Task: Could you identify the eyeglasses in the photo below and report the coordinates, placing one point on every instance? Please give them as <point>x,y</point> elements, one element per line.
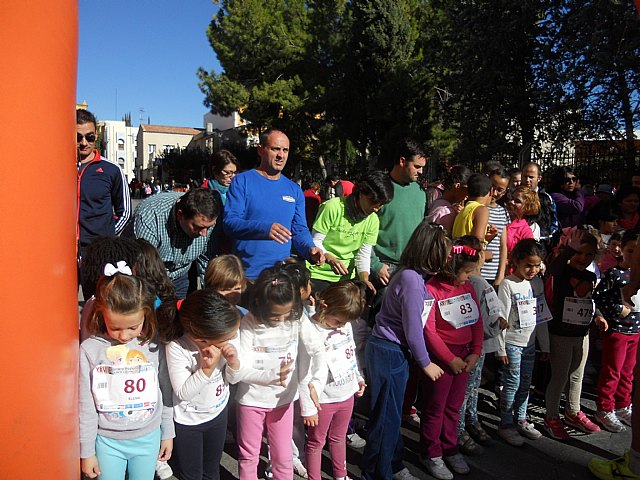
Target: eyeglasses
<point>570,179</point>
<point>90,137</point>
<point>228,173</point>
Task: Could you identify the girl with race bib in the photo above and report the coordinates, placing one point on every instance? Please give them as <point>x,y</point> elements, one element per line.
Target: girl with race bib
<point>126,420</point>
<point>569,288</point>
<point>269,340</point>
<point>337,306</point>
<point>525,307</point>
<point>453,334</point>
<point>201,351</point>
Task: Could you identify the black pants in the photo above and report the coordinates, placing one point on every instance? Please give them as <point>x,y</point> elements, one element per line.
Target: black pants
<point>198,448</point>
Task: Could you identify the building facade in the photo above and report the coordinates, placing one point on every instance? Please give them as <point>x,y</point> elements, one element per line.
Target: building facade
<point>119,145</point>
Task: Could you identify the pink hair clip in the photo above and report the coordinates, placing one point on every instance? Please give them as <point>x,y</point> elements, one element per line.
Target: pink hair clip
<point>458,249</point>
<point>179,304</point>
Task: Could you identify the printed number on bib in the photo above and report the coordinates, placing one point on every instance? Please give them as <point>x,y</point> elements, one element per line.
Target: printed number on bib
<point>125,388</point>
<point>428,305</point>
<point>578,311</point>
<point>459,311</point>
<point>221,396</point>
<point>341,357</point>
<point>493,304</point>
<point>273,356</point>
<point>527,312</point>
<point>544,314</point>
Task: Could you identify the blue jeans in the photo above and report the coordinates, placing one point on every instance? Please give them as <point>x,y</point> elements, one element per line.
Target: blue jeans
<point>516,381</point>
<point>387,374</point>
<point>469,409</point>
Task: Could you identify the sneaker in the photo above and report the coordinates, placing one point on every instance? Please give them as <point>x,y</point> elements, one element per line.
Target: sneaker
<point>163,470</point>
<point>478,433</point>
<point>412,419</point>
<point>624,414</point>
<point>510,435</point>
<point>581,422</point>
<point>526,429</point>
<point>355,441</point>
<point>458,464</point>
<point>612,469</point>
<point>299,469</point>
<point>436,468</point>
<point>609,421</point>
<point>555,428</point>
<point>404,474</point>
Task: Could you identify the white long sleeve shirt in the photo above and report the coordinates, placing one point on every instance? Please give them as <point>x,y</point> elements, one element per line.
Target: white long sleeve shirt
<point>262,350</point>
<point>341,377</point>
<point>197,398</point>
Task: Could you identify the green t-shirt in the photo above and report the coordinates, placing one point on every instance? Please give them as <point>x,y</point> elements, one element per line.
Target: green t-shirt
<point>343,237</point>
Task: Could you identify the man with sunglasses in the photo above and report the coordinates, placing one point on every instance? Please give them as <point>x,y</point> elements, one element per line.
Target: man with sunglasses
<point>104,203</point>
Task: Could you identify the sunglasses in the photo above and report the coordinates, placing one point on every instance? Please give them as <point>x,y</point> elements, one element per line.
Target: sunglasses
<point>228,173</point>
<point>90,137</point>
<point>570,179</point>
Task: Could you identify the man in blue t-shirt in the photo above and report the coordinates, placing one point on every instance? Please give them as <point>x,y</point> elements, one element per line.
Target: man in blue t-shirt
<point>264,213</point>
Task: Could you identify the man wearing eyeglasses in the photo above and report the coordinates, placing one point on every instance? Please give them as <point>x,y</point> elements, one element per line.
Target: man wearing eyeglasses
<point>104,203</point>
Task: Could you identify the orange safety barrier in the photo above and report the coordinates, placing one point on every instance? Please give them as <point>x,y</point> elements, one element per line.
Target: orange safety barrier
<point>38,289</point>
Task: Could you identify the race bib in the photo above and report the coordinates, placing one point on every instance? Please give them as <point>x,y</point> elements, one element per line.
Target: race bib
<point>635,301</point>
<point>273,356</point>
<point>426,310</point>
<point>216,383</point>
<point>578,311</point>
<point>341,358</point>
<point>460,311</point>
<point>121,389</point>
<point>491,299</point>
<point>543,312</point>
<point>527,312</point>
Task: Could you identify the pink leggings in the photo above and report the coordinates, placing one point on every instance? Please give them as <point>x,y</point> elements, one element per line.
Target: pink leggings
<point>333,421</point>
<point>279,422</point>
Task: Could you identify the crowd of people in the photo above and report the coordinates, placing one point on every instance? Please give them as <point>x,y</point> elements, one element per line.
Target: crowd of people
<point>233,309</point>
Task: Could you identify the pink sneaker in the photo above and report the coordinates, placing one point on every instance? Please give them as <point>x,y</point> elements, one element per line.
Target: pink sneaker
<point>555,428</point>
<point>580,422</point>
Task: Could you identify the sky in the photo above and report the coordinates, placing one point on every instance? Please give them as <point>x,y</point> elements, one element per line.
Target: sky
<point>144,54</point>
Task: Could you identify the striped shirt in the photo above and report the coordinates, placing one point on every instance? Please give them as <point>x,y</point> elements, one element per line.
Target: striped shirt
<point>156,221</point>
<point>499,217</point>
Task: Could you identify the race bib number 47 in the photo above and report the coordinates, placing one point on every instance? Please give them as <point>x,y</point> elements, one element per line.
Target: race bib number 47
<point>578,311</point>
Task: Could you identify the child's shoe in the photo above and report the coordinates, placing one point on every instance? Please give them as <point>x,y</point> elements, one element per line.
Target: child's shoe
<point>581,422</point>
<point>624,414</point>
<point>404,474</point>
<point>436,468</point>
<point>609,421</point>
<point>355,441</point>
<point>299,469</point>
<point>555,428</point>
<point>526,429</point>
<point>478,433</point>
<point>412,418</point>
<point>458,464</point>
<point>612,469</point>
<point>509,434</point>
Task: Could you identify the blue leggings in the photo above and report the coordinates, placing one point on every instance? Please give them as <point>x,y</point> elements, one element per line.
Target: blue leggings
<point>138,456</point>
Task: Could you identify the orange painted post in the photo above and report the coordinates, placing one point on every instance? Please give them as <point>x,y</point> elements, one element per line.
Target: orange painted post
<point>38,293</point>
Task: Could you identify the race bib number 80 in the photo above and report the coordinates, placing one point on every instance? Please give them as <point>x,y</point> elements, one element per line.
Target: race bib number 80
<point>125,388</point>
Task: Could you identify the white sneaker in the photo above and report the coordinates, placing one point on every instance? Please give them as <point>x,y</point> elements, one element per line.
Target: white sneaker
<point>436,468</point>
<point>163,470</point>
<point>609,421</point>
<point>299,469</point>
<point>412,419</point>
<point>355,441</point>
<point>624,414</point>
<point>526,429</point>
<point>404,474</point>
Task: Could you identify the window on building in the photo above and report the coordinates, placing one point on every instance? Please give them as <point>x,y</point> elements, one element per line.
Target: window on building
<point>120,144</point>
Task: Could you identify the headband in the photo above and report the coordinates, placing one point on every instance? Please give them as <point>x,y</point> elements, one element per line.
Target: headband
<point>121,267</point>
<point>458,249</point>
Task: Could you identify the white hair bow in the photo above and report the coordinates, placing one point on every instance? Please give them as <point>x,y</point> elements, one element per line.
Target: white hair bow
<point>121,267</point>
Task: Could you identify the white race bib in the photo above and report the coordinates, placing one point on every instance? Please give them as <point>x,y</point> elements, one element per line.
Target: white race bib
<point>121,389</point>
<point>273,356</point>
<point>341,357</point>
<point>426,310</point>
<point>635,301</point>
<point>527,312</point>
<point>216,382</point>
<point>460,311</point>
<point>578,311</point>
<point>544,314</point>
<point>492,301</point>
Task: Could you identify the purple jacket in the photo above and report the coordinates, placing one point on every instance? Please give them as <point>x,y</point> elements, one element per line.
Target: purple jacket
<point>570,208</point>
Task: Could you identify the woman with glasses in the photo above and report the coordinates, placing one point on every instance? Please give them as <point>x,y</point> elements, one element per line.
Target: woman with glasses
<point>568,196</point>
<point>224,167</point>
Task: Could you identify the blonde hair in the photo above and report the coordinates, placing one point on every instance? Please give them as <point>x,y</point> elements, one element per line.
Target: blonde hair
<point>124,294</point>
<point>224,272</point>
<point>345,299</point>
<point>531,200</point>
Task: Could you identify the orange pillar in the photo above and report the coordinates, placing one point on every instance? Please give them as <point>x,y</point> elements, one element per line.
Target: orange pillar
<point>38,292</point>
